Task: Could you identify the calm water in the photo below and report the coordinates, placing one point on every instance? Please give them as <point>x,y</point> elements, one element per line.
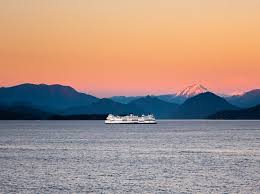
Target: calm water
<point>170,157</point>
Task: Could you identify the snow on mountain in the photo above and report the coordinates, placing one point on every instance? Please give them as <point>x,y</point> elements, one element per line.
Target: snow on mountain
<point>192,90</point>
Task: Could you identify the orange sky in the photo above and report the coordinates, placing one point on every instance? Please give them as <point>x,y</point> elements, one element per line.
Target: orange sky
<point>131,47</point>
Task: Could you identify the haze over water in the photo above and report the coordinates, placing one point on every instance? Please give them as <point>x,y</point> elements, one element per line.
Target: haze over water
<point>170,157</point>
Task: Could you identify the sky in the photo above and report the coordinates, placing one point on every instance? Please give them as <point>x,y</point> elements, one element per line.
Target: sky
<point>131,47</point>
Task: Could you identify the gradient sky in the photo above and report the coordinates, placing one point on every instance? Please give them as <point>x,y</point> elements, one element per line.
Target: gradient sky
<point>131,47</point>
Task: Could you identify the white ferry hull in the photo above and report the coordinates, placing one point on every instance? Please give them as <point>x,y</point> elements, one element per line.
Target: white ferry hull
<point>130,122</point>
<point>130,119</point>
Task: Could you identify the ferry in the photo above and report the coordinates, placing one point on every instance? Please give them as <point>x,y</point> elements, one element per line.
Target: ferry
<point>130,119</point>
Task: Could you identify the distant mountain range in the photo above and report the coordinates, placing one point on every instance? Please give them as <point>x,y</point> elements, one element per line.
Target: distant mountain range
<point>178,98</point>
<point>125,99</point>
<point>245,100</point>
<point>142,105</point>
<point>102,106</point>
<point>45,97</point>
<point>151,104</point>
<point>30,101</point>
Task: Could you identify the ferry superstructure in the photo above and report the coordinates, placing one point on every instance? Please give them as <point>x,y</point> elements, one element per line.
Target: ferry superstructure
<point>130,119</point>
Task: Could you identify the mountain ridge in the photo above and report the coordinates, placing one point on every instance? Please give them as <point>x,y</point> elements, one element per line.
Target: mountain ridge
<point>201,106</point>
<point>247,99</point>
<point>57,99</point>
<point>155,106</point>
<point>45,96</point>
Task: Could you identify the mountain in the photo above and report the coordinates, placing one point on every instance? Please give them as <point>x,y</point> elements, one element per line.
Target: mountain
<point>178,98</point>
<point>142,105</point>
<point>192,90</point>
<point>201,106</point>
<point>30,101</point>
<point>153,105</point>
<point>103,106</point>
<point>246,100</point>
<point>46,97</point>
<point>184,94</point>
<point>249,113</point>
<point>127,99</point>
<point>124,99</point>
<point>168,98</point>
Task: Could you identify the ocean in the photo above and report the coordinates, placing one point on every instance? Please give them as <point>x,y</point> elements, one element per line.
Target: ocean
<point>174,156</point>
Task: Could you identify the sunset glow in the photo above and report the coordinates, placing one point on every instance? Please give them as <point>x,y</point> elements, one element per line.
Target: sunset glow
<point>131,47</point>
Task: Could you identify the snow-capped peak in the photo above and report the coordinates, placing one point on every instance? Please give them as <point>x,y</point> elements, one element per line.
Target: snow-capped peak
<point>192,90</point>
